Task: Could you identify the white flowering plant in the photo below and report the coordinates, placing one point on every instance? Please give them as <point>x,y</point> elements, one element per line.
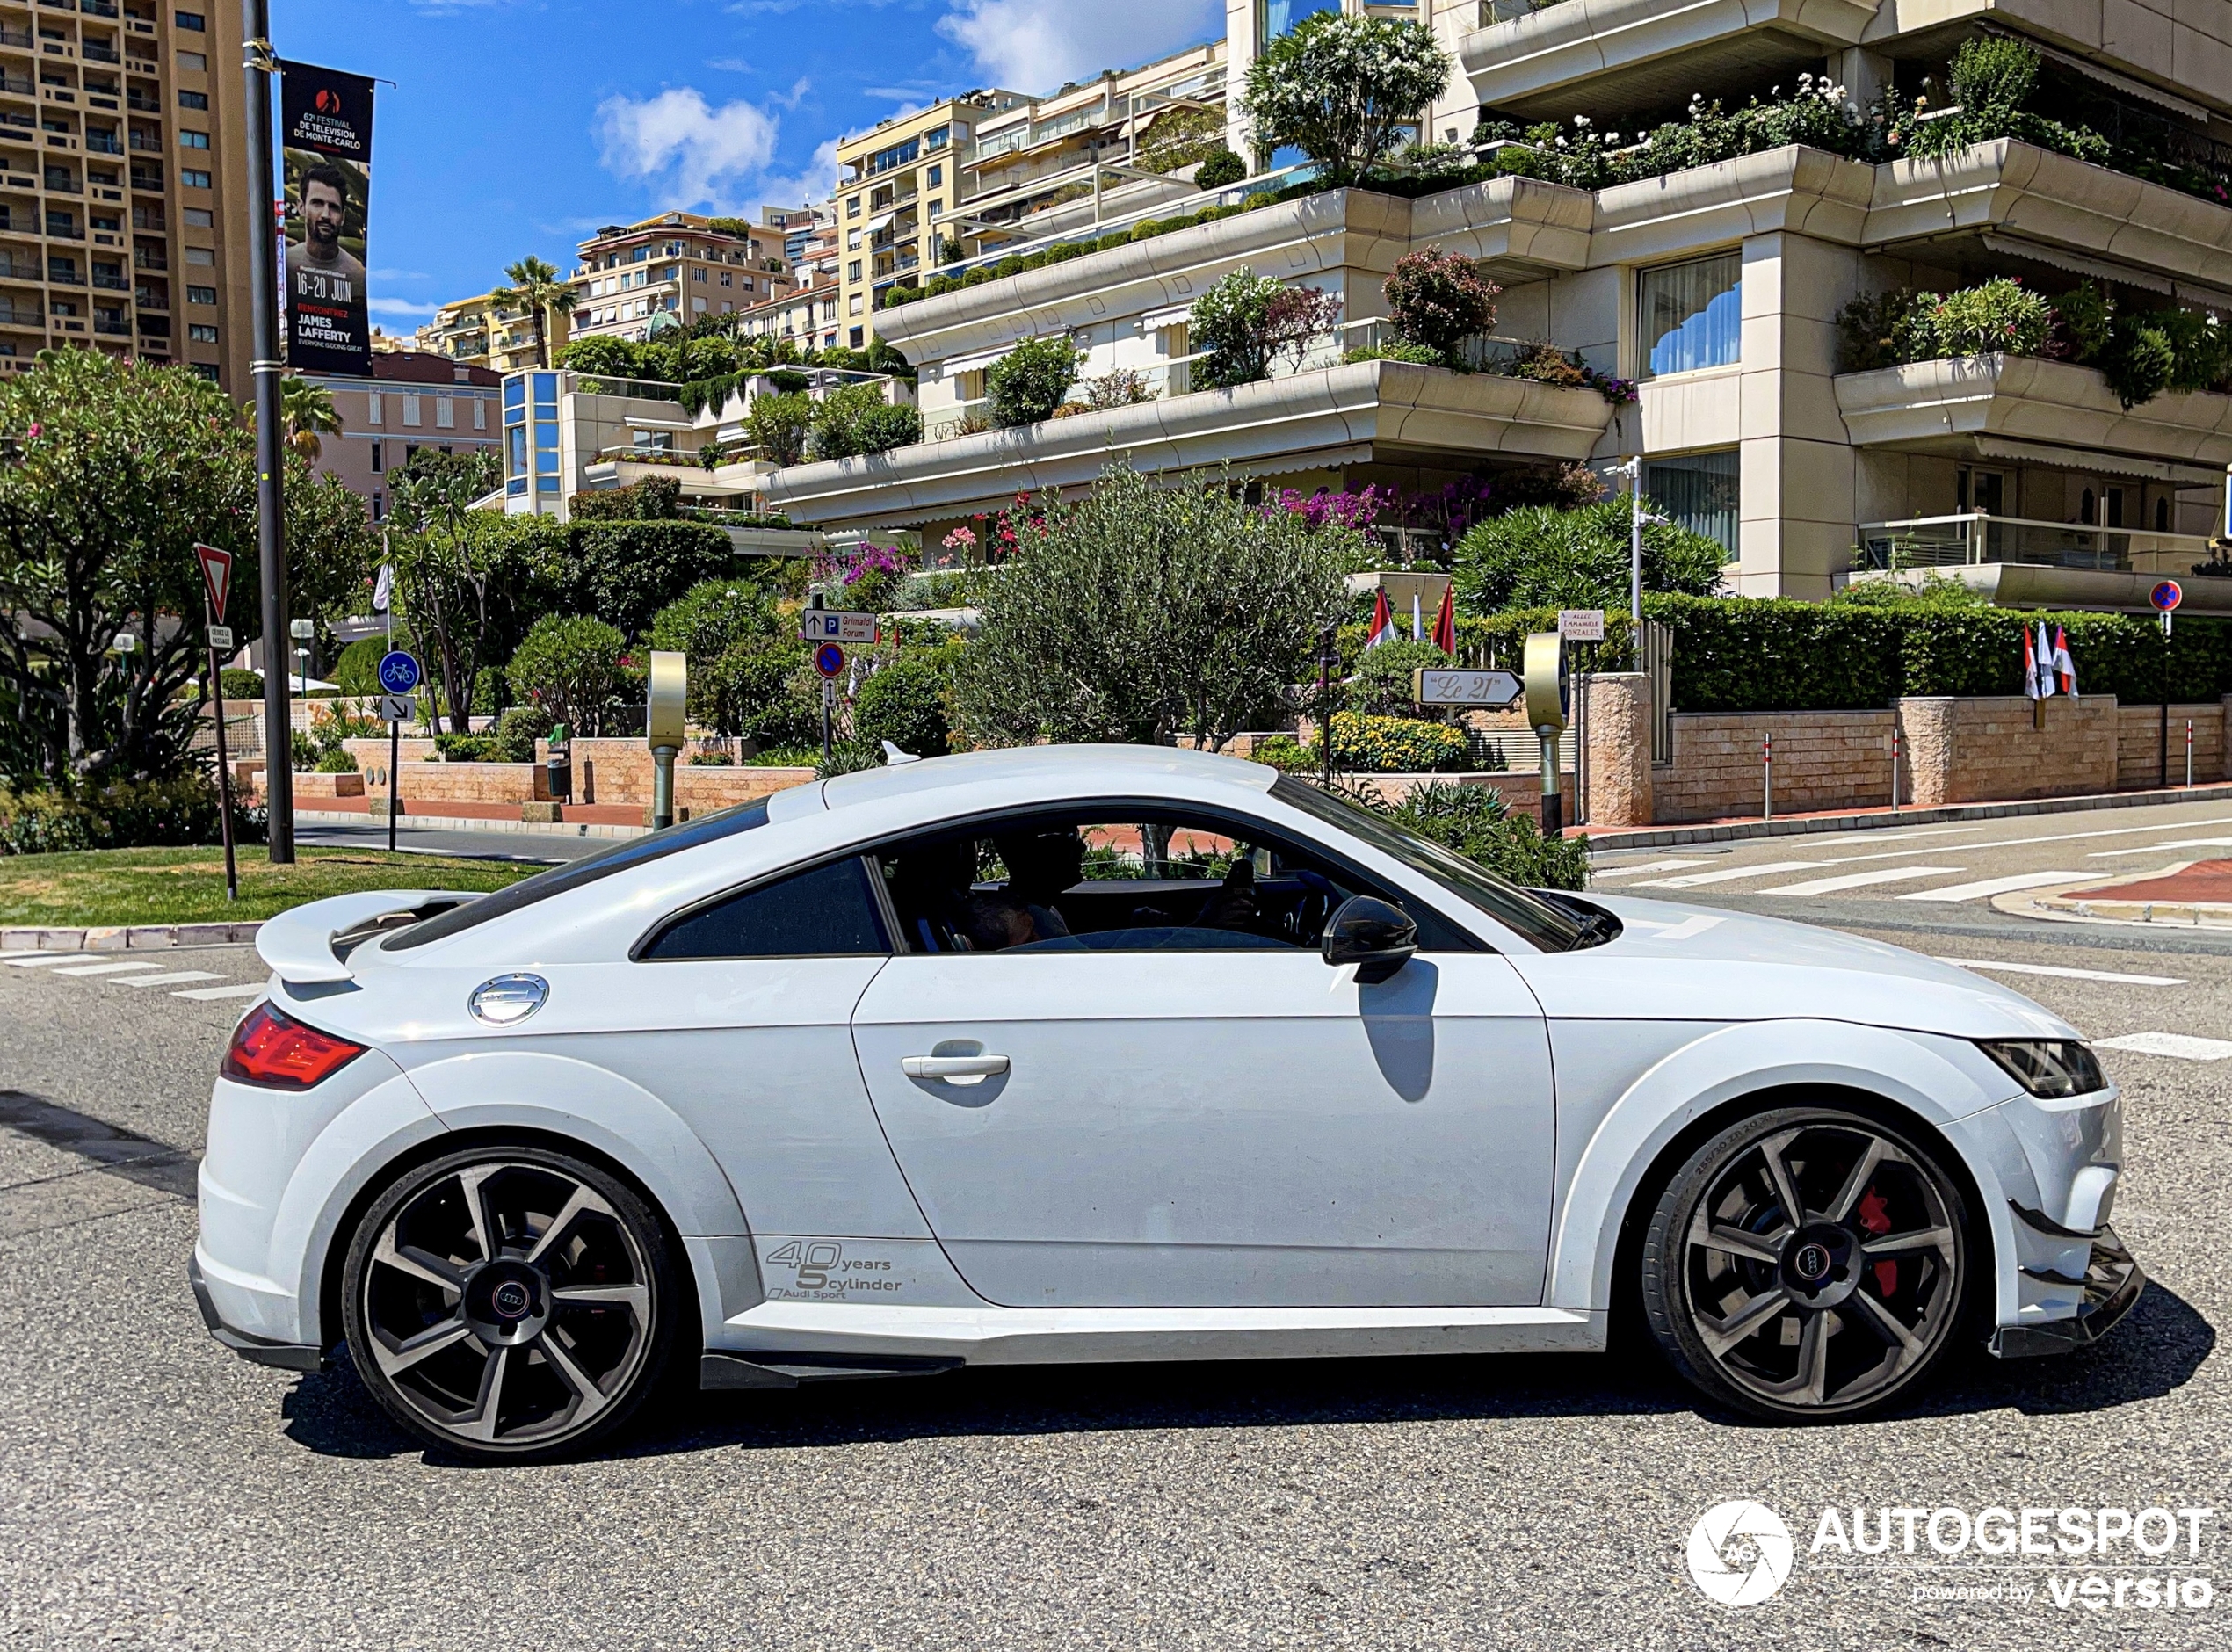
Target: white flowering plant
<point>1342,88</point>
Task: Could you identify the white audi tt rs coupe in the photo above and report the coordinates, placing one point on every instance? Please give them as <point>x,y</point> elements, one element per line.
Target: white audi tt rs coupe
<point>1086,1053</point>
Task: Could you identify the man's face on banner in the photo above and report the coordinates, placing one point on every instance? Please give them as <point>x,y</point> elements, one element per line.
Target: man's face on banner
<point>323,211</point>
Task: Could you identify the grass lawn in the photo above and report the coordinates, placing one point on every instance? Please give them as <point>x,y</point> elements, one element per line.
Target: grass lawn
<point>187,886</point>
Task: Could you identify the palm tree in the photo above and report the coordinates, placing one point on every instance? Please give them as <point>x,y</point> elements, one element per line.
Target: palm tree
<point>306,414</point>
<point>535,285</point>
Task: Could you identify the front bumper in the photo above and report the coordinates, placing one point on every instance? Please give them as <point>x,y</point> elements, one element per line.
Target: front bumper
<point>2112,1283</point>
<point>285,1355</point>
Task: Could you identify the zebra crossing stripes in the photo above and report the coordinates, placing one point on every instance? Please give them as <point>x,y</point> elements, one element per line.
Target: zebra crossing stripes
<point>1862,880</point>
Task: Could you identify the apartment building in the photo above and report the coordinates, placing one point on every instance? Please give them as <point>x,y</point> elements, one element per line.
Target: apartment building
<point>678,265</point>
<point>490,330</point>
<point>1716,288</point>
<point>410,399</point>
<point>898,181</point>
<point>123,217</point>
<point>806,315</point>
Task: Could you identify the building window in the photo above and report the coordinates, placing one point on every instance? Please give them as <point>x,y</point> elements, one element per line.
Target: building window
<point>201,294</point>
<point>1274,17</point>
<point>852,207</point>
<point>852,307</point>
<point>445,413</point>
<point>372,409</point>
<point>379,507</point>
<point>207,369</point>
<point>378,461</point>
<point>190,20</point>
<point>1699,491</point>
<point>199,218</point>
<point>856,339</point>
<point>201,255</point>
<point>193,61</point>
<point>194,140</point>
<point>410,411</point>
<point>936,175</point>
<point>193,100</point>
<point>201,332</point>
<point>192,179</point>
<point>480,412</point>
<point>697,275</point>
<point>1693,314</point>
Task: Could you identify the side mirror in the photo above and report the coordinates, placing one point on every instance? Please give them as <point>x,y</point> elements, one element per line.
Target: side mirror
<point>1378,938</point>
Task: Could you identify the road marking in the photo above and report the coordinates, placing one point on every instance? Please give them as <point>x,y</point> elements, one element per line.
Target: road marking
<point>170,978</point>
<point>45,958</point>
<point>2019,842</point>
<point>104,969</point>
<point>2177,1045</point>
<point>2157,849</point>
<point>206,994</point>
<point>1729,874</point>
<point>1648,865</point>
<point>2071,975</point>
<point>1987,888</point>
<point>1861,879</point>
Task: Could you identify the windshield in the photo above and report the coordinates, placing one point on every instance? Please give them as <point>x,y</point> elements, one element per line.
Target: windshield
<point>629,852</point>
<point>1549,927</point>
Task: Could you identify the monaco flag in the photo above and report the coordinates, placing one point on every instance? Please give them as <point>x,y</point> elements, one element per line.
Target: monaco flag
<point>1446,622</point>
<point>1382,622</point>
<point>2065,669</point>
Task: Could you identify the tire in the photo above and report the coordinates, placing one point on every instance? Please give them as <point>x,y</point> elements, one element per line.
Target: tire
<point>509,1304</point>
<point>1826,1318</point>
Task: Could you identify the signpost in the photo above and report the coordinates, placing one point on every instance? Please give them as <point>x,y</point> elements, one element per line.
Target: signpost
<point>665,728</point>
<point>1549,698</point>
<point>399,677</point>
<point>829,660</point>
<point>216,585</point>
<point>2165,596</point>
<point>832,625</point>
<point>1491,691</point>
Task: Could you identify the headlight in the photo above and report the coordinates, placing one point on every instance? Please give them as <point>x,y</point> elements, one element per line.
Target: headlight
<point>2052,1070</point>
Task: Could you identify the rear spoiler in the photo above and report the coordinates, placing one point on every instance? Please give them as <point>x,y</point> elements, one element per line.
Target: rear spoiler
<point>301,945</point>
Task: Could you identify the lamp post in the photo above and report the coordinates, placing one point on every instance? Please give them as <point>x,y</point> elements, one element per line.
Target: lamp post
<point>303,631</point>
<point>264,368</point>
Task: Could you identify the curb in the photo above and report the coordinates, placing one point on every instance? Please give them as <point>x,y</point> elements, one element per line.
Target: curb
<point>134,937</point>
<point>468,823</point>
<point>1670,837</point>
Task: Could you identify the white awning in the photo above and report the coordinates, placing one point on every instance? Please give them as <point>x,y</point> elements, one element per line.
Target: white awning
<point>2018,247</point>
<point>1171,316</point>
<point>970,364</point>
<point>881,221</point>
<point>2177,475</point>
<point>2122,83</point>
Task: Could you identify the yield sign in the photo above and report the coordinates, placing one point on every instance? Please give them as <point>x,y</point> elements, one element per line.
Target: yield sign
<point>216,576</point>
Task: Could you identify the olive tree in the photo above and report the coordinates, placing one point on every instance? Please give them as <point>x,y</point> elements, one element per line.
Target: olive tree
<point>1341,87</point>
<point>1149,614</point>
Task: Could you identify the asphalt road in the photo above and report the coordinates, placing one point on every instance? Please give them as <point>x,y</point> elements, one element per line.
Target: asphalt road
<point>154,1490</point>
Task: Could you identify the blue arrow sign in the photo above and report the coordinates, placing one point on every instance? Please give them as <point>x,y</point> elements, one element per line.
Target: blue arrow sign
<point>399,673</point>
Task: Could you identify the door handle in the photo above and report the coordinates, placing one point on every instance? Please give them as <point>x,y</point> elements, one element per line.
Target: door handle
<point>966,1068</point>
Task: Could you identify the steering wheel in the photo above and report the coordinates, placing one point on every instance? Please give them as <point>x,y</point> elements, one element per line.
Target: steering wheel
<point>1305,921</point>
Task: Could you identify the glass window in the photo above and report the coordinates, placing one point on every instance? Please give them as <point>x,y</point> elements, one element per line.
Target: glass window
<point>629,852</point>
<point>828,912</point>
<point>1128,878</point>
<point>1278,16</point>
<point>193,100</point>
<point>515,393</point>
<point>193,179</point>
<point>1699,491</point>
<point>190,20</point>
<point>1549,927</point>
<point>1693,314</point>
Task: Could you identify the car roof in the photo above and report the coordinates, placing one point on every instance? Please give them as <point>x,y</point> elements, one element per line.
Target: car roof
<point>1063,769</point>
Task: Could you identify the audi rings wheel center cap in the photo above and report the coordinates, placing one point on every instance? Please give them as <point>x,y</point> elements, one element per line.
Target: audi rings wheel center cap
<point>1819,1263</point>
<point>512,1299</point>
<point>506,1303</point>
<point>1811,1264</point>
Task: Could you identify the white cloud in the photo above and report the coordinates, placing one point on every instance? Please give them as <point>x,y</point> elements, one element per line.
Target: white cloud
<point>812,184</point>
<point>1034,45</point>
<point>704,154</point>
<point>399,307</point>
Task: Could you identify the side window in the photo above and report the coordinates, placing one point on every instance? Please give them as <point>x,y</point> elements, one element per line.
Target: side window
<point>1117,878</point>
<point>830,911</point>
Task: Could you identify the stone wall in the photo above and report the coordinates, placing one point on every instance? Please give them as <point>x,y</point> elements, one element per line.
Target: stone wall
<point>1822,760</point>
<point>2139,734</point>
<point>1997,749</point>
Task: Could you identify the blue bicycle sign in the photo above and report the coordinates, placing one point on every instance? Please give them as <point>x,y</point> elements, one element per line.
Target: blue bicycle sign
<point>399,673</point>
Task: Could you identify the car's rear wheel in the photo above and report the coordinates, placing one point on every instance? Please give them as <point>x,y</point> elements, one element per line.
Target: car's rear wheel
<point>1808,1264</point>
<point>510,1302</point>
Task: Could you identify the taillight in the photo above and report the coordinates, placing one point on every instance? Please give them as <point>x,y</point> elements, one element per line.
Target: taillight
<point>273,1049</point>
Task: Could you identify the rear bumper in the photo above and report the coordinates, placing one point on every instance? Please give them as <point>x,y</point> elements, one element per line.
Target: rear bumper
<point>285,1355</point>
<point>2112,1283</point>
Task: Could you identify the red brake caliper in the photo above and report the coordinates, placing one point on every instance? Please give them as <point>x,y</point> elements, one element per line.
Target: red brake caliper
<point>1877,1220</point>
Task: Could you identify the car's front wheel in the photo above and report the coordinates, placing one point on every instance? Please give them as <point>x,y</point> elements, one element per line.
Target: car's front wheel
<point>510,1302</point>
<point>1807,1264</point>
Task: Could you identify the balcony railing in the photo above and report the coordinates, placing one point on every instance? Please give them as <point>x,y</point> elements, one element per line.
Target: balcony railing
<point>18,38</point>
<point>1976,539</point>
<point>1495,11</point>
<point>93,54</point>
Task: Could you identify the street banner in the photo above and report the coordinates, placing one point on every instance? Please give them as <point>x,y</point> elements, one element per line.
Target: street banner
<point>325,138</point>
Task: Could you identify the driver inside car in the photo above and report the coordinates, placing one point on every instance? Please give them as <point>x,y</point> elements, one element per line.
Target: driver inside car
<point>1042,867</point>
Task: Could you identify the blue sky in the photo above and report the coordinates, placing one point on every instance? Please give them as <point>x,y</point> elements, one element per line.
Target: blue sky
<point>519,125</point>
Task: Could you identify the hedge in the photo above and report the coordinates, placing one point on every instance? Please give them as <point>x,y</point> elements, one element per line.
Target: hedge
<point>1748,654</point>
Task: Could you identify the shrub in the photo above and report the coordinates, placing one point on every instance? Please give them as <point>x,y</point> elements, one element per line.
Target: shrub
<point>1437,298</point>
<point>1286,754</point>
<point>339,761</point>
<point>1380,684</point>
<point>1245,322</point>
<point>905,704</point>
<point>466,747</point>
<point>756,688</point>
<point>1222,168</point>
<point>653,499</point>
<point>2000,315</point>
<point>1121,387</point>
<point>570,667</point>
<point>1395,745</point>
<point>1031,380</point>
<point>517,732</point>
<point>858,420</point>
<point>779,426</point>
<point>124,814</point>
<point>1475,822</point>
<point>710,618</point>
<point>1420,355</point>
<point>1340,88</point>
<point>1540,556</point>
<point>625,572</point>
<point>237,684</point>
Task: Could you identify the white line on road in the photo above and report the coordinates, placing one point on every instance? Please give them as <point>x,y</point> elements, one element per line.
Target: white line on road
<point>1729,874</point>
<point>1985,889</point>
<point>104,970</point>
<point>2157,849</point>
<point>45,958</point>
<point>1861,879</point>
<point>170,978</point>
<point>2178,1045</point>
<point>2056,838</point>
<point>1648,865</point>
<point>2072,974</point>
<point>205,993</point>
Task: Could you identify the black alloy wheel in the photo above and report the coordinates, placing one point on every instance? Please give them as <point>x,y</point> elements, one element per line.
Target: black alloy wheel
<point>505,1303</point>
<point>1808,1264</point>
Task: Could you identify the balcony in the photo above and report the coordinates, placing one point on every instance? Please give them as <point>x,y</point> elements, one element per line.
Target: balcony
<point>2021,410</point>
<point>1324,417</point>
<point>19,39</point>
<point>2020,564</point>
<point>1639,55</point>
<point>19,316</point>
<point>97,54</point>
